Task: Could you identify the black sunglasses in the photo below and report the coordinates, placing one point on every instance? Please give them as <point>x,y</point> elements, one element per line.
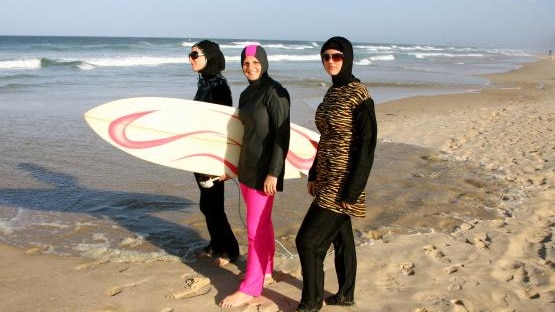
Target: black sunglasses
<point>195,55</point>
<point>336,57</point>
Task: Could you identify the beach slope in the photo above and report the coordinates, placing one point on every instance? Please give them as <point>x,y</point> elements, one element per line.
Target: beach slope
<point>502,259</point>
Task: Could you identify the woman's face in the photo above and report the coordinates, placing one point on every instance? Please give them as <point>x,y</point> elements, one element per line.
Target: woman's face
<point>333,61</point>
<point>252,68</point>
<point>197,59</point>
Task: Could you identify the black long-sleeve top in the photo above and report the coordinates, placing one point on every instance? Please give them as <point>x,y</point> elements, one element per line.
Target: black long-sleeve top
<point>264,111</point>
<point>213,89</point>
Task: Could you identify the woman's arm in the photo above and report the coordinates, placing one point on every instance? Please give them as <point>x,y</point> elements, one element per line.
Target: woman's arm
<point>279,119</point>
<point>367,132</point>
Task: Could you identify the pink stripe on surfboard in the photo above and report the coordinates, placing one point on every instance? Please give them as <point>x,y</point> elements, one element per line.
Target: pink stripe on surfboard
<point>227,163</point>
<point>298,162</point>
<point>118,133</point>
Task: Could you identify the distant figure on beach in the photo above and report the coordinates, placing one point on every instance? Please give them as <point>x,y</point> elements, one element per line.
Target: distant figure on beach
<point>208,61</point>
<point>264,111</point>
<point>347,124</point>
<point>549,53</point>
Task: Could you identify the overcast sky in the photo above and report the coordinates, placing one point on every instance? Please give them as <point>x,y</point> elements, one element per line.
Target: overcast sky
<point>528,24</point>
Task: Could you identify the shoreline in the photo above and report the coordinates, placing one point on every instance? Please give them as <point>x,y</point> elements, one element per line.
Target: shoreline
<point>495,143</point>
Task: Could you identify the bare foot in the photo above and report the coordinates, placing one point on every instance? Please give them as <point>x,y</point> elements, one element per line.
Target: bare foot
<point>220,261</point>
<point>203,254</point>
<point>269,280</point>
<point>236,300</point>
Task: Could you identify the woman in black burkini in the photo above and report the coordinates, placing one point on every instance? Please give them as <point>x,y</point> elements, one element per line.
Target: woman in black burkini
<point>348,133</point>
<point>207,59</point>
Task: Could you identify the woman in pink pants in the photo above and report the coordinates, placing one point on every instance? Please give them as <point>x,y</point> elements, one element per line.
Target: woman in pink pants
<point>264,111</point>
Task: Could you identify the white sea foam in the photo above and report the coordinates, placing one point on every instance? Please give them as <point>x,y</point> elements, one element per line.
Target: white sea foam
<point>239,44</point>
<point>295,58</point>
<point>289,47</point>
<point>90,64</point>
<point>281,58</point>
<point>374,48</point>
<point>420,48</point>
<point>242,44</point>
<point>364,62</point>
<point>445,55</point>
<point>100,237</point>
<point>102,251</point>
<point>233,59</point>
<point>21,64</point>
<point>268,46</point>
<point>393,47</point>
<point>86,66</point>
<point>509,52</point>
<point>135,61</point>
<point>376,58</point>
<point>461,49</point>
<point>7,227</point>
<point>133,241</point>
<point>388,57</point>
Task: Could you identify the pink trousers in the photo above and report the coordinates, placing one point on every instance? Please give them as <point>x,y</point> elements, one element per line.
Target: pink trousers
<point>261,245</point>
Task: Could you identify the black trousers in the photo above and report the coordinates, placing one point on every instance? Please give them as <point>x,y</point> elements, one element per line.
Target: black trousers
<point>321,228</point>
<point>222,239</point>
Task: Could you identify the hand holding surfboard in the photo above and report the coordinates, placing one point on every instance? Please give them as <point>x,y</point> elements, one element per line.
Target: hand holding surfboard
<point>189,135</point>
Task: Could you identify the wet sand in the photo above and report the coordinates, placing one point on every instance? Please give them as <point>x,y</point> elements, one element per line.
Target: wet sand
<point>460,219</point>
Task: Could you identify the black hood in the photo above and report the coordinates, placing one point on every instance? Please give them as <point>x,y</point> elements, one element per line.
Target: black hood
<point>345,75</point>
<point>260,54</point>
<point>215,60</point>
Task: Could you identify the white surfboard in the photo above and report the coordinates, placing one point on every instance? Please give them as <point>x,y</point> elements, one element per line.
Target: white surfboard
<point>189,135</point>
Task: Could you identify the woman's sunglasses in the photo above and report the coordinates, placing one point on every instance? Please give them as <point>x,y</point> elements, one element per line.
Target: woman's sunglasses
<point>336,57</point>
<point>195,55</point>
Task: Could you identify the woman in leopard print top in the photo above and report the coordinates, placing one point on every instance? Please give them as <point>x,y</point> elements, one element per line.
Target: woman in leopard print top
<point>347,124</point>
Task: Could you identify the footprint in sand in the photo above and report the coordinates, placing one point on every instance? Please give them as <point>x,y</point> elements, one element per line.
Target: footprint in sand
<point>505,270</point>
<point>459,305</point>
<point>195,285</point>
<point>118,289</point>
<point>481,241</point>
<point>452,269</point>
<point>407,268</point>
<point>264,304</point>
<point>115,290</point>
<point>88,265</point>
<point>432,252</point>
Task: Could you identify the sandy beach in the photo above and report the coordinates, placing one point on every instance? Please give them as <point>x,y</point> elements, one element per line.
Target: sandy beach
<point>486,157</point>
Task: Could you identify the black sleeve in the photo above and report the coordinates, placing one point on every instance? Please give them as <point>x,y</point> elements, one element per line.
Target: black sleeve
<point>222,95</point>
<point>278,110</point>
<point>312,171</point>
<point>367,132</point>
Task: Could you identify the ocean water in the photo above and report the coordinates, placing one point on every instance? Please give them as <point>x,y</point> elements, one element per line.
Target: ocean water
<point>65,191</point>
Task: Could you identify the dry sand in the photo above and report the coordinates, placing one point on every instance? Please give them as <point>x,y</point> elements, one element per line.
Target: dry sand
<point>487,156</point>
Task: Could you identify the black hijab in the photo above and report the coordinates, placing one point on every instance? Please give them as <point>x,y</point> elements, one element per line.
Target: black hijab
<point>260,54</point>
<point>345,75</point>
<point>215,60</point>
